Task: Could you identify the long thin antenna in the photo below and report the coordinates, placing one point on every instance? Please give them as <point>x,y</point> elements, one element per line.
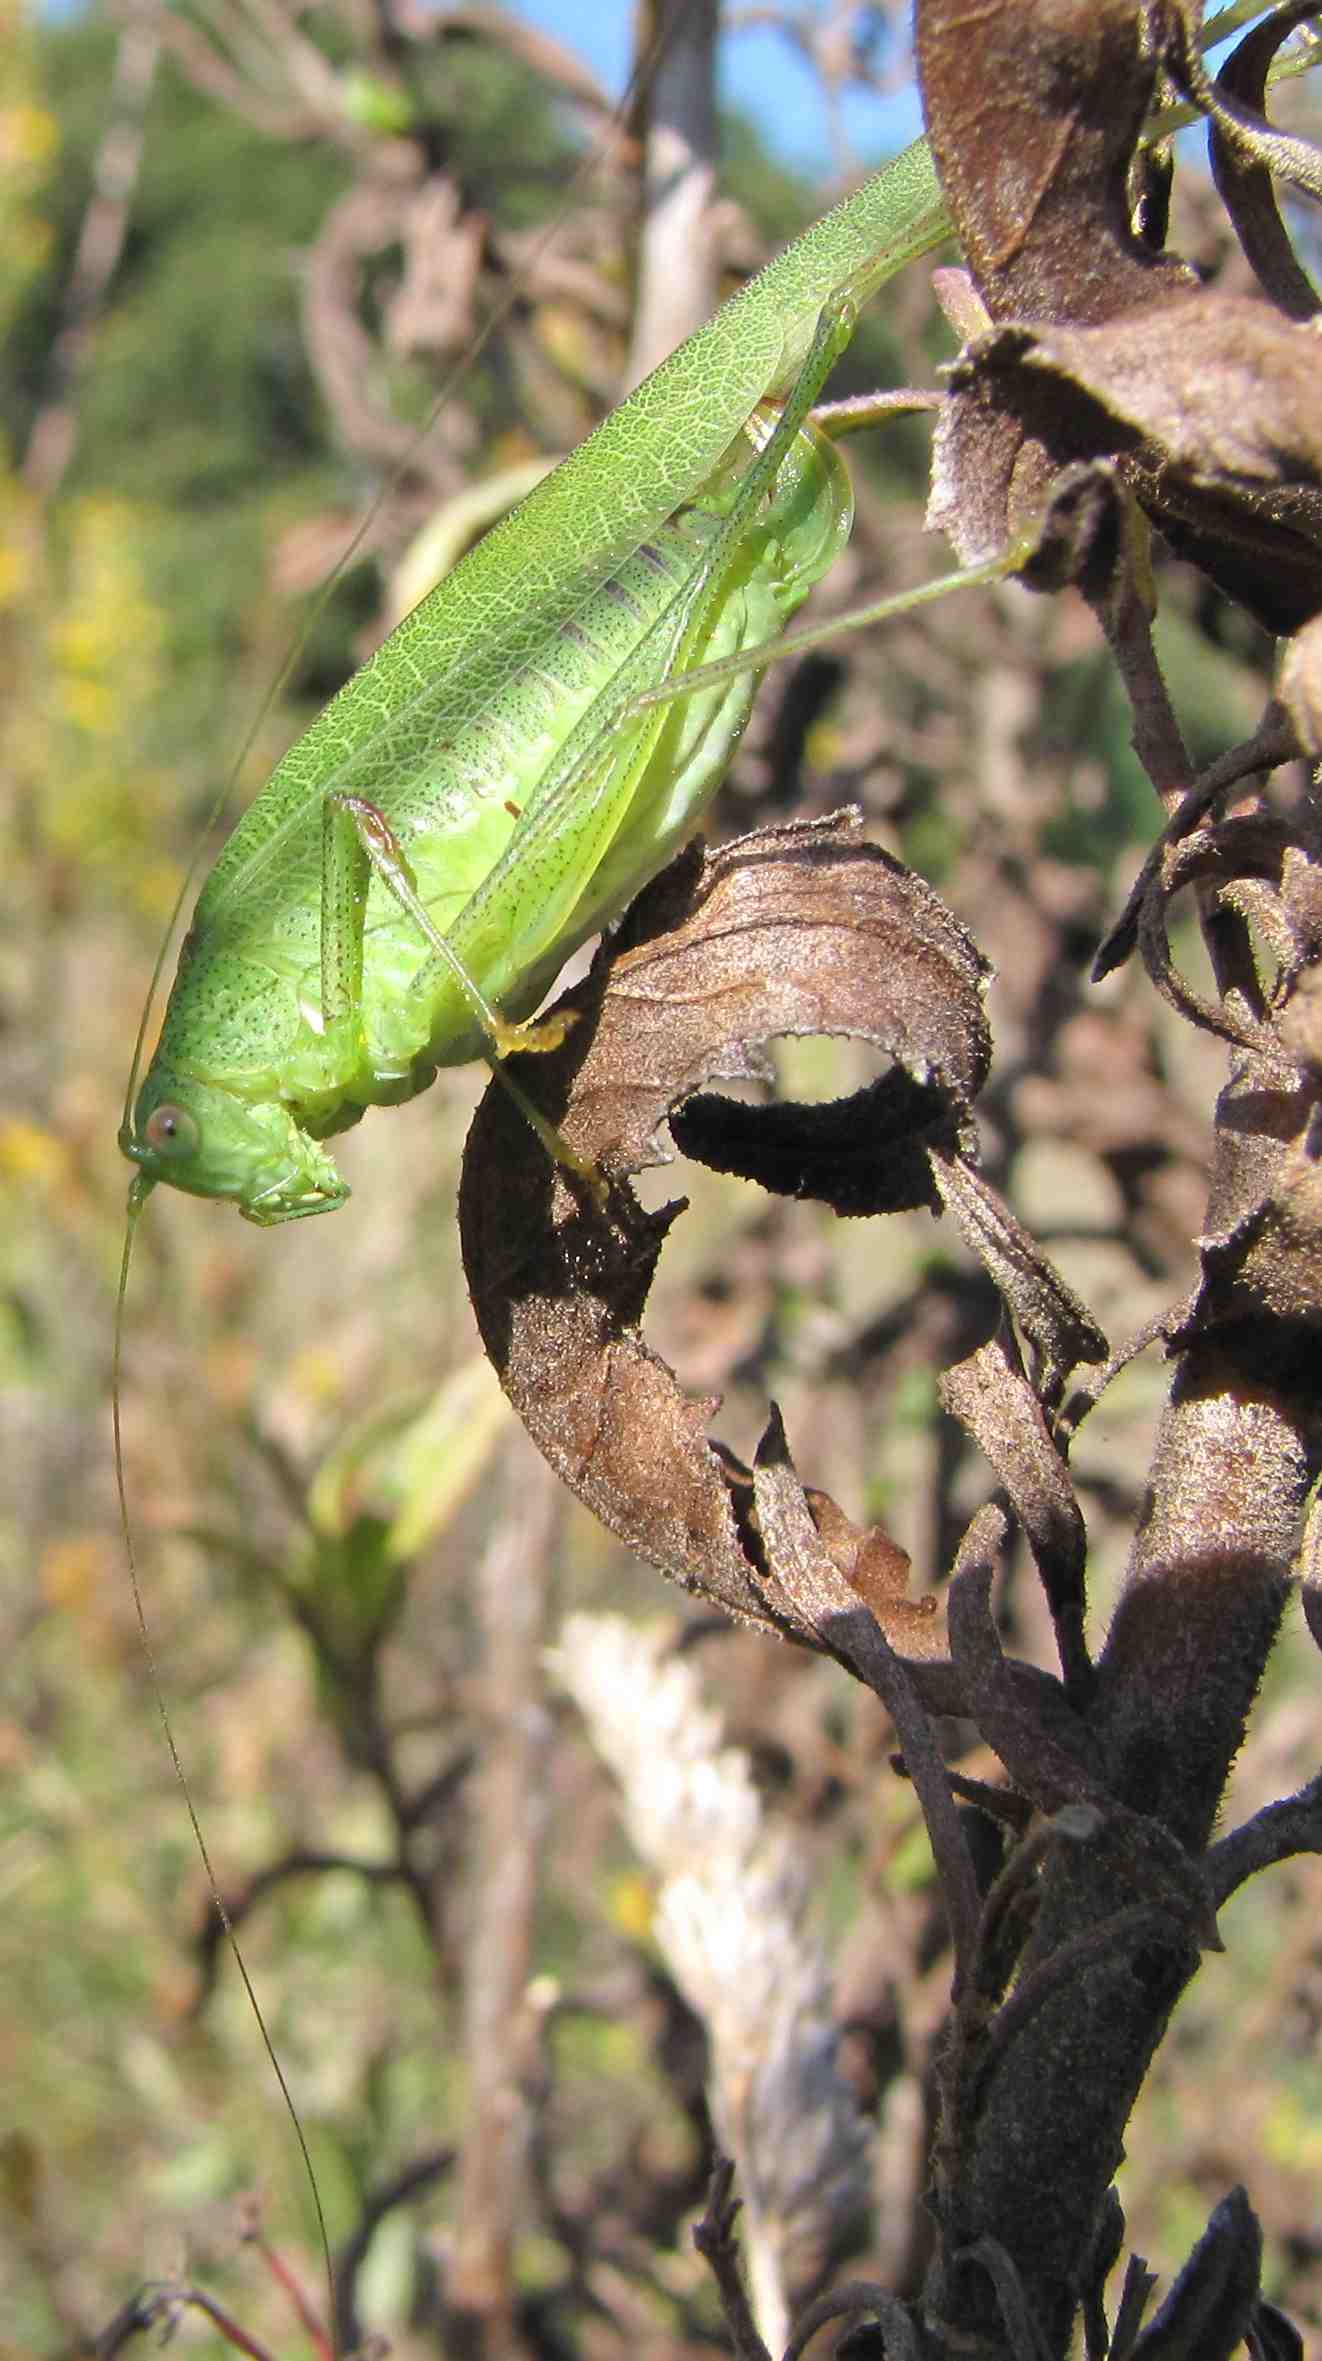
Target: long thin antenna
<point>139,1191</point>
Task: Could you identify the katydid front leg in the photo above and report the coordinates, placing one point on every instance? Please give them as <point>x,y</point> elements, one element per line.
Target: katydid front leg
<point>357,843</point>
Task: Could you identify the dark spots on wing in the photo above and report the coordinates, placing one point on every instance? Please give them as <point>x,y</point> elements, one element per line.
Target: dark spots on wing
<point>623,598</point>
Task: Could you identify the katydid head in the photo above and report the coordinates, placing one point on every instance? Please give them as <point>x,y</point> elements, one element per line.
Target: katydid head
<point>213,1143</point>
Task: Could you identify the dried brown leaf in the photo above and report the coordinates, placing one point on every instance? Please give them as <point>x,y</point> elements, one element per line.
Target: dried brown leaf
<point>1209,404</point>
<point>872,1566</point>
<point>1059,1329</point>
<point>1210,2309</point>
<point>828,1607</point>
<point>815,1556</point>
<point>1263,1273</point>
<point>795,930</point>
<point>1034,116</point>
<point>1105,350</point>
<point>994,1402</point>
<point>1021,1712</point>
<point>1245,154</point>
<point>1272,743</point>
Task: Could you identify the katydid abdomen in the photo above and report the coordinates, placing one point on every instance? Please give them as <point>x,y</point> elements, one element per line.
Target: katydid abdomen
<point>521,818</point>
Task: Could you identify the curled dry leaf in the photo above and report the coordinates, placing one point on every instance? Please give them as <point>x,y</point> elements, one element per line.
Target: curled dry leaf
<point>1102,349</point>
<point>1057,93</point>
<point>797,930</point>
<point>994,1402</point>
<point>1044,1745</point>
<point>1241,857</point>
<point>1272,743</point>
<point>1262,1241</point>
<point>780,1514</point>
<point>1210,2309</point>
<point>1209,404</point>
<point>1262,1275</point>
<point>1059,1329</point>
<point>869,2303</point>
<point>1245,151</point>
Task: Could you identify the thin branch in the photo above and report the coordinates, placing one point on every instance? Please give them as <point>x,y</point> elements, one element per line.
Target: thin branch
<point>715,2241</point>
<point>1276,1833</point>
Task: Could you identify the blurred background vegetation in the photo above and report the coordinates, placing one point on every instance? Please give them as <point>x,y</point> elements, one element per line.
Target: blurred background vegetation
<point>232,280</point>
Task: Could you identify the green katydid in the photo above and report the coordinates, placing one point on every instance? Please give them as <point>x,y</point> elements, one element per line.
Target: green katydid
<point>522,754</point>
<point>525,751</point>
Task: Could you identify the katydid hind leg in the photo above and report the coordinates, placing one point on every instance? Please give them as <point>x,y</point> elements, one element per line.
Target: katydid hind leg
<point>565,835</point>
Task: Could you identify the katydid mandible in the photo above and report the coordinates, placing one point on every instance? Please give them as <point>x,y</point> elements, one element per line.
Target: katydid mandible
<point>522,754</point>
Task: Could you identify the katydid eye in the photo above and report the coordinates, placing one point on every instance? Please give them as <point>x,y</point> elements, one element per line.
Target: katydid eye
<point>172,1131</point>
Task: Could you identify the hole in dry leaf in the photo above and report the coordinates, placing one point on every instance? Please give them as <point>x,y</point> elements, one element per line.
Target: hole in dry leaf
<point>757,963</point>
<point>821,1069</point>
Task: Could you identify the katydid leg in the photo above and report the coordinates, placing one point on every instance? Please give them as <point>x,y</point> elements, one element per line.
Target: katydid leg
<point>357,842</point>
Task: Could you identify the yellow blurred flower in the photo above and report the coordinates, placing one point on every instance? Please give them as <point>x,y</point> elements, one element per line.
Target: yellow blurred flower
<point>29,138</point>
<point>28,1152</point>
